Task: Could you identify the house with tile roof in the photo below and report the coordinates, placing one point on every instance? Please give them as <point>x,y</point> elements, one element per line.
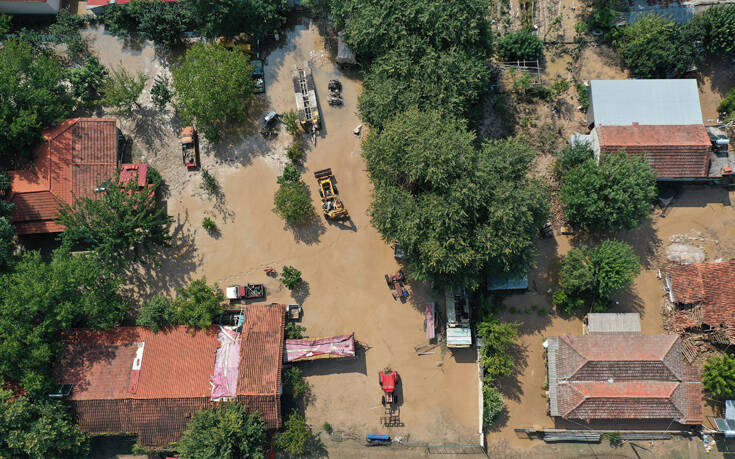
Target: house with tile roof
<point>132,380</point>
<point>661,119</point>
<point>74,159</point>
<point>619,376</point>
<point>703,300</point>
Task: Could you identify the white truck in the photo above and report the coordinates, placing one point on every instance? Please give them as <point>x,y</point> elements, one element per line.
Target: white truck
<point>459,333</point>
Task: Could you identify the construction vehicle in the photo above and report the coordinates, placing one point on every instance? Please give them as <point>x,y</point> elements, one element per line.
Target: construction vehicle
<point>306,103</point>
<point>396,282</point>
<point>388,379</point>
<point>258,75</point>
<point>189,147</point>
<point>245,292</point>
<point>335,92</point>
<point>331,204</point>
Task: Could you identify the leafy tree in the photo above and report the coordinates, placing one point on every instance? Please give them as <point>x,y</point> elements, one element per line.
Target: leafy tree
<point>293,203</point>
<point>87,81</point>
<point>294,331</point>
<point>38,300</point>
<point>718,376</point>
<point>156,314</point>
<point>32,96</point>
<point>727,106</point>
<point>122,224</point>
<point>295,388</point>
<point>6,24</point>
<point>161,22</point>
<point>291,277</point>
<point>198,304</point>
<point>602,15</point>
<point>297,436</point>
<point>291,173</point>
<point>572,156</point>
<point>614,195</point>
<point>655,47</point>
<point>715,29</point>
<point>599,272</point>
<point>492,401</point>
<point>213,87</point>
<point>7,240</point>
<point>42,428</point>
<point>499,337</point>
<point>295,151</point>
<point>454,209</point>
<point>122,89</point>
<point>161,93</point>
<point>291,120</point>
<point>67,30</point>
<point>119,20</point>
<point>228,18</point>
<point>520,45</point>
<point>224,431</point>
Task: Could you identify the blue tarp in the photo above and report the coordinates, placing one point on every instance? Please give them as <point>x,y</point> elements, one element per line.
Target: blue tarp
<point>507,282</point>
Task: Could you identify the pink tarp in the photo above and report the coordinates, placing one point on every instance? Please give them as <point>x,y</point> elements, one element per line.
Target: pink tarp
<point>226,365</point>
<point>305,349</point>
<point>430,327</point>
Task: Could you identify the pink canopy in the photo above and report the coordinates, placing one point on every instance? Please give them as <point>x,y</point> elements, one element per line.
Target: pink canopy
<point>324,348</point>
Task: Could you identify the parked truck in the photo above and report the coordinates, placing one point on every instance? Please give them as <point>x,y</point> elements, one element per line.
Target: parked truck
<point>306,103</point>
<point>459,333</point>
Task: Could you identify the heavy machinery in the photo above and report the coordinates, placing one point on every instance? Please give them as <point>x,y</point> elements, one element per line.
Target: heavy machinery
<point>189,147</point>
<point>388,379</point>
<point>396,281</point>
<point>306,103</point>
<point>335,92</point>
<point>258,75</point>
<point>331,204</point>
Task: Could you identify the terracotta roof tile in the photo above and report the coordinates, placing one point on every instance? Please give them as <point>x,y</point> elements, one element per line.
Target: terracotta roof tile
<point>261,350</point>
<point>672,151</point>
<point>76,156</point>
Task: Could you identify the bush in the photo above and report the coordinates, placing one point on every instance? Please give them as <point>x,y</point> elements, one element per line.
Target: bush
<point>291,174</point>
<point>122,89</point>
<point>293,203</point>
<point>727,106</point>
<point>718,376</point>
<point>602,15</point>
<point>494,357</point>
<point>209,225</point>
<point>291,121</point>
<point>572,156</point>
<point>327,427</point>
<point>161,92</point>
<point>294,385</point>
<point>155,314</point>
<point>198,304</point>
<point>294,331</point>
<point>521,45</point>
<point>492,404</point>
<point>291,277</point>
<point>295,151</point>
<point>87,81</point>
<point>583,95</point>
<point>296,437</point>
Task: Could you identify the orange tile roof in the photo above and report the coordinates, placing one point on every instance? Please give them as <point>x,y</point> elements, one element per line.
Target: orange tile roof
<point>75,157</point>
<point>672,151</point>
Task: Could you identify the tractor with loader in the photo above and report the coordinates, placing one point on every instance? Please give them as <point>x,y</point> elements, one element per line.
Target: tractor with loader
<point>332,206</point>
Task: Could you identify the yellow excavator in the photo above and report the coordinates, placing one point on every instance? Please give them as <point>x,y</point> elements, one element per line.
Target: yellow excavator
<point>331,204</point>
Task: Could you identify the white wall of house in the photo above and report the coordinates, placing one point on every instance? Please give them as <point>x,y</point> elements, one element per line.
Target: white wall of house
<point>30,7</point>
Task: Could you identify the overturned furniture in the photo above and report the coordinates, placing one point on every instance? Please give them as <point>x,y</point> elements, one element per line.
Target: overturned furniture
<point>335,347</point>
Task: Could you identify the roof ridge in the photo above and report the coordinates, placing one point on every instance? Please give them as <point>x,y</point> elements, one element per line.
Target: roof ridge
<point>583,398</point>
<point>60,128</point>
<point>585,360</point>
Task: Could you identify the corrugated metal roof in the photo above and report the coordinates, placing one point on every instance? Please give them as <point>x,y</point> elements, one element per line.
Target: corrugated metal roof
<point>624,102</point>
<point>552,375</point>
<point>614,323</point>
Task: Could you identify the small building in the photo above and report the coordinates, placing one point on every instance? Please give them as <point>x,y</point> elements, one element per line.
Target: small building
<point>30,6</point>
<point>504,282</point>
<point>661,119</point>
<point>131,380</point>
<point>608,322</point>
<point>74,159</point>
<point>704,302</point>
<point>617,376</point>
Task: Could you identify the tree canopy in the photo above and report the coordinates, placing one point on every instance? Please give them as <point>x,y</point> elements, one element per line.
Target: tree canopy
<point>523,45</point>
<point>213,87</point>
<point>715,28</point>
<point>32,96</point>
<point>614,195</point>
<point>718,376</point>
<point>231,17</point>
<point>226,431</point>
<point>453,208</point>
<point>499,337</point>
<point>297,439</point>
<point>196,305</point>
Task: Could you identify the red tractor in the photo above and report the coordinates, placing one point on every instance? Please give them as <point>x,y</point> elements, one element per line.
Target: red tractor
<point>388,379</point>
<point>396,282</point>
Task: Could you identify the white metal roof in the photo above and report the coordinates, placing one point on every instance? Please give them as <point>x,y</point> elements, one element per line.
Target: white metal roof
<point>651,102</point>
<point>614,322</point>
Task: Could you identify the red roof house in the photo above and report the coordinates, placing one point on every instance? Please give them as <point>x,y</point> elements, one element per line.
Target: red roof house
<point>706,294</point>
<point>131,380</point>
<point>75,158</point>
<point>622,376</point>
<point>672,151</point>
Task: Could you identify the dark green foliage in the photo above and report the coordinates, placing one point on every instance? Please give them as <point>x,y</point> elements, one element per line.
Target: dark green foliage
<point>31,96</point>
<point>727,106</point>
<point>87,81</point>
<point>7,242</point>
<point>213,87</point>
<point>295,388</point>
<point>654,47</point>
<point>715,29</point>
<point>291,120</point>
<point>599,272</point>
<point>293,202</point>
<point>296,437</point>
<point>155,313</point>
<point>39,299</point>
<point>602,15</point>
<point>228,18</point>
<point>295,151</point>
<point>294,331</point>
<point>209,184</point>
<point>161,22</point>
<point>520,45</point>
<point>161,93</point>
<point>197,305</point>
<point>492,404</point>
<point>42,428</point>
<point>614,195</point>
<point>499,337</point>
<point>122,224</point>
<point>291,277</point>
<point>122,89</point>
<point>583,95</point>
<point>6,24</point>
<point>225,431</point>
<point>66,30</point>
<point>572,156</point>
<point>119,21</point>
<point>718,376</point>
<point>209,225</point>
<point>454,209</point>
<point>291,174</point>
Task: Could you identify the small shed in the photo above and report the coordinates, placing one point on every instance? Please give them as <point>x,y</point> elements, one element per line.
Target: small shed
<point>614,323</point>
<point>345,56</point>
<point>500,282</point>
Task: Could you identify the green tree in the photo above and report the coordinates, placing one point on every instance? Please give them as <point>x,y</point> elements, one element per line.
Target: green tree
<point>119,21</point>
<point>161,22</point>
<point>67,30</point>
<point>498,337</point>
<point>293,203</point>
<point>291,277</point>
<point>715,29</point>
<point>492,404</point>
<point>38,300</point>
<point>599,272</point>
<point>87,81</point>
<point>213,87</point>
<point>198,304</point>
<point>655,47</point>
<point>122,224</point>
<point>572,156</point>
<point>454,209</point>
<point>520,45</point>
<point>718,376</point>
<point>727,106</point>
<point>291,120</point>
<point>229,18</point>
<point>6,24</point>
<point>42,428</point>
<point>297,437</point>
<point>291,173</point>
<point>225,431</point>
<point>32,95</point>
<point>614,195</point>
<point>7,242</point>
<point>156,313</point>
<point>122,89</point>
<point>161,93</point>
<point>295,151</point>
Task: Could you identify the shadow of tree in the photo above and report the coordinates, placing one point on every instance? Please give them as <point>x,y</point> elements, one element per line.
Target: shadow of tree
<point>315,447</point>
<point>300,293</point>
<point>308,233</point>
<point>510,386</point>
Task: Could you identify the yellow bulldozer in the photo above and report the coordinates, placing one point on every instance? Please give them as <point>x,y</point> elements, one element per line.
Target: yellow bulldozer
<point>331,204</point>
